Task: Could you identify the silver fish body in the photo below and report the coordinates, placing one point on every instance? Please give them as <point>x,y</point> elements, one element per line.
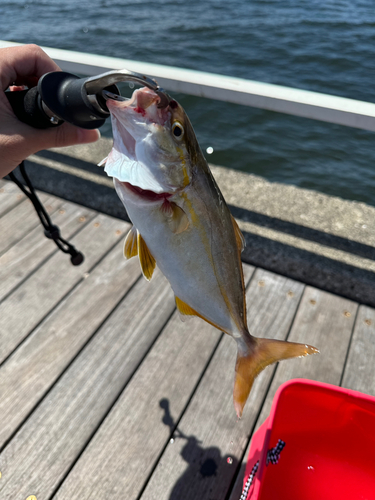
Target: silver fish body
<point>202,262</point>
<point>182,224</point>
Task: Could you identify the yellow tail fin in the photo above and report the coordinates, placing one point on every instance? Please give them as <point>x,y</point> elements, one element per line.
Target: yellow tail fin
<point>253,355</point>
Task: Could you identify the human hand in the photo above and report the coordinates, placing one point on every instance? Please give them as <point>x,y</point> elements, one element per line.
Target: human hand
<point>24,65</point>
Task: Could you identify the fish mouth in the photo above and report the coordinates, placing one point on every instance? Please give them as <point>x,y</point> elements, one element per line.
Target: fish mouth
<point>137,157</point>
<point>132,119</point>
<point>144,102</point>
<point>146,194</point>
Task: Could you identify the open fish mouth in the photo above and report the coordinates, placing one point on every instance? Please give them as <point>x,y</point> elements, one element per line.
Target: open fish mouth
<point>146,194</point>
<point>142,145</point>
<point>144,102</point>
<point>132,120</point>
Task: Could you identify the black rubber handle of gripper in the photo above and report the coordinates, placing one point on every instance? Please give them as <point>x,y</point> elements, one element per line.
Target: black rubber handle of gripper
<point>27,106</point>
<point>66,96</point>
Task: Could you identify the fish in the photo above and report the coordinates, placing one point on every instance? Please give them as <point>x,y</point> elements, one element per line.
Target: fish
<point>182,224</point>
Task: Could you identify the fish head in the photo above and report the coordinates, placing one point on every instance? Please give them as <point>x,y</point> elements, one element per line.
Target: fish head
<point>153,148</point>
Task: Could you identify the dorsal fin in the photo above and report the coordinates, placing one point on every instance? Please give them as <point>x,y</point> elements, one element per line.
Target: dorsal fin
<point>131,246</point>
<point>146,259</point>
<point>177,219</point>
<point>240,239</point>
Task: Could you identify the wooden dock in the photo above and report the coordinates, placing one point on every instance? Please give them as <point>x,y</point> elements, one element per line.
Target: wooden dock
<point>106,394</point>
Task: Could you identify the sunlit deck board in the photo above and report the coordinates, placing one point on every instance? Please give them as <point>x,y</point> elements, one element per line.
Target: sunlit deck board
<point>325,321</point>
<point>79,401</point>
<point>99,373</point>
<point>136,431</point>
<point>33,249</point>
<point>30,303</point>
<point>359,369</point>
<point>36,364</point>
<point>10,196</point>
<point>209,433</point>
<point>21,219</point>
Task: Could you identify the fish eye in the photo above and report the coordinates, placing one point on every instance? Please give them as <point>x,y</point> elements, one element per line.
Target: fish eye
<point>178,130</point>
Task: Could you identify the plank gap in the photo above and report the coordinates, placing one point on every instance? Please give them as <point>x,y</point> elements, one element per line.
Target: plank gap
<point>69,291</point>
<point>23,218</point>
<point>90,217</point>
<point>240,472</point>
<point>349,347</point>
<point>146,492</point>
<point>157,460</point>
<point>358,374</point>
<point>295,314</point>
<point>55,491</point>
<point>45,395</point>
<point>10,188</point>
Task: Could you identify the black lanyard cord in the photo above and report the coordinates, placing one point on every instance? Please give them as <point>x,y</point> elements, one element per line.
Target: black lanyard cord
<point>50,230</point>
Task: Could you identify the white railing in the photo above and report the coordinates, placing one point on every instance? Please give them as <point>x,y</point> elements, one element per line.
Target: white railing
<point>327,108</point>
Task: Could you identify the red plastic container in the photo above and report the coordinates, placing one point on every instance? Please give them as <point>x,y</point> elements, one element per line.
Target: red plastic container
<point>329,452</point>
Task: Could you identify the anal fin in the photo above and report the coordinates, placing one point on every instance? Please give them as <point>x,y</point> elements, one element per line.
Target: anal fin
<point>146,259</point>
<point>185,310</point>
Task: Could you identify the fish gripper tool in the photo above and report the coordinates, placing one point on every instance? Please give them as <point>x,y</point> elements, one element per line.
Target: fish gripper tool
<point>60,96</point>
<point>63,97</point>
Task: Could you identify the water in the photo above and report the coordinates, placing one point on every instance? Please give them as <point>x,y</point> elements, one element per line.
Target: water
<point>322,46</point>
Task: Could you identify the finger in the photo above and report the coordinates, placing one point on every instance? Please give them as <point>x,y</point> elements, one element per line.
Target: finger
<point>18,64</point>
<point>29,141</point>
<point>29,81</point>
<point>64,135</point>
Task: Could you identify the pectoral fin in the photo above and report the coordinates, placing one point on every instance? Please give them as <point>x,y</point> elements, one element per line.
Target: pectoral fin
<point>131,245</point>
<point>146,259</point>
<point>103,162</point>
<point>176,217</point>
<point>240,239</point>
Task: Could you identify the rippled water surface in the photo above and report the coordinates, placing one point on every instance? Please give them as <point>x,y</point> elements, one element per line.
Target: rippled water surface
<point>322,46</point>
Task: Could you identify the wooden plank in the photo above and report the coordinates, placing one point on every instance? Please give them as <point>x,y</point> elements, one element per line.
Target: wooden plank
<point>33,368</point>
<point>26,255</point>
<point>10,196</point>
<point>131,438</point>
<point>53,437</point>
<point>359,370</point>
<point>22,219</point>
<point>196,464</point>
<point>31,302</point>
<point>325,321</point>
